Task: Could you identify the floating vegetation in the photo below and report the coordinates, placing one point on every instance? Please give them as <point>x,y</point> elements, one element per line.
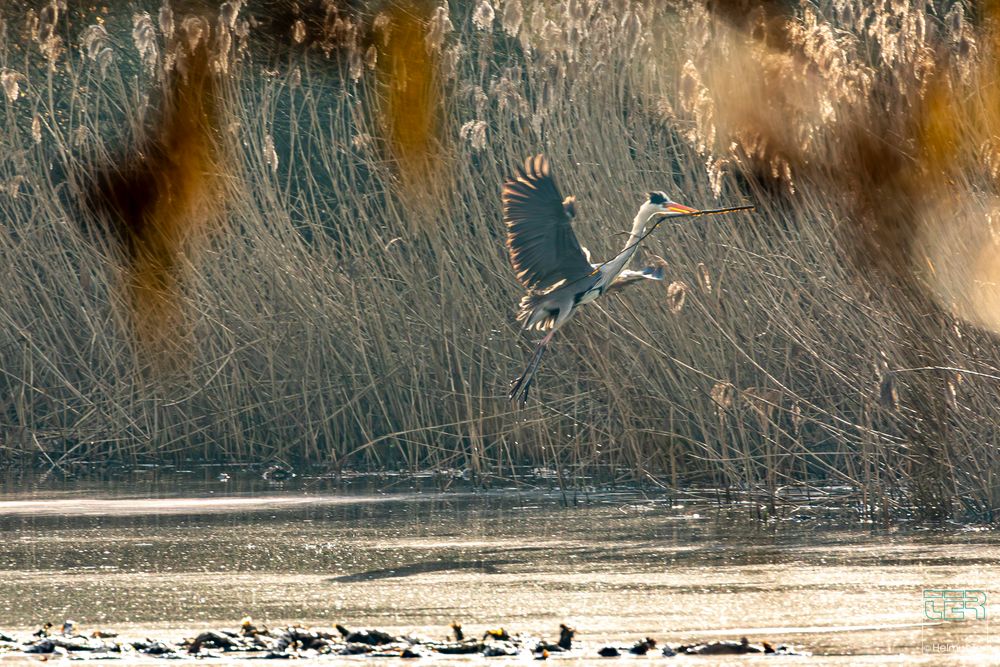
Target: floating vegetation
<point>293,642</point>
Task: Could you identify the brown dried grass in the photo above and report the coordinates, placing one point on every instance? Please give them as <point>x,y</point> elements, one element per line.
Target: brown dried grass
<point>339,319</point>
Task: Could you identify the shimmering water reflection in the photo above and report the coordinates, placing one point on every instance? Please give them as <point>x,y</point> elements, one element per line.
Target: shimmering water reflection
<point>182,552</point>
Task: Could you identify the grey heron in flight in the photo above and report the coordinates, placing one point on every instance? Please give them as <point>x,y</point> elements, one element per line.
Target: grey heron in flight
<point>550,263</point>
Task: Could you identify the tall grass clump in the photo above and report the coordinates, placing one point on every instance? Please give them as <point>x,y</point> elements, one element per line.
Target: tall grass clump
<point>252,231</point>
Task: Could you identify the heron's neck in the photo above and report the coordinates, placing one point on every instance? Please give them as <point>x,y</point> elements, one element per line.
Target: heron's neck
<point>639,224</point>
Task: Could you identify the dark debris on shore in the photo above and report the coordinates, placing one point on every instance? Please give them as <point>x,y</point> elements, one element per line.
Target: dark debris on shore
<point>251,641</point>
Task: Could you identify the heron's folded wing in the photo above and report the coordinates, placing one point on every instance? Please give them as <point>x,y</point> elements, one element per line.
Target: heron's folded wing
<point>540,240</point>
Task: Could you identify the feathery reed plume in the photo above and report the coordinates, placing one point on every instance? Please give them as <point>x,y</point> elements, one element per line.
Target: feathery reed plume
<point>676,293</point>
<point>97,44</point>
<point>9,81</point>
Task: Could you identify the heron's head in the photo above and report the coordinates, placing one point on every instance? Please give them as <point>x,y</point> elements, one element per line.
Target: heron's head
<point>661,204</point>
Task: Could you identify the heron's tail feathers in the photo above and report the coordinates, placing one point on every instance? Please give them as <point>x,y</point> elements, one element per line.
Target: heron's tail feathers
<point>533,315</point>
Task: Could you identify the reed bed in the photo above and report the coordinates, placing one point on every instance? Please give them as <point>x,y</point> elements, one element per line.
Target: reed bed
<point>323,280</point>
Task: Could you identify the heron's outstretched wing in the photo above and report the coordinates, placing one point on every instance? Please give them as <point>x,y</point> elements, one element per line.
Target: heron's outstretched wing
<point>540,240</point>
<point>656,271</point>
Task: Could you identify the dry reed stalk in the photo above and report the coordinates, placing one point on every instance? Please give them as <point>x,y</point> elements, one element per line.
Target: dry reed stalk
<point>333,321</point>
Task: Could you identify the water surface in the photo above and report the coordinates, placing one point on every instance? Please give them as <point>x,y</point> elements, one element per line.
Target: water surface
<point>172,553</point>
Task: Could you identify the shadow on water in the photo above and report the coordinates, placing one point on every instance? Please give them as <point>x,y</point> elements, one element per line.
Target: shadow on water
<point>411,569</point>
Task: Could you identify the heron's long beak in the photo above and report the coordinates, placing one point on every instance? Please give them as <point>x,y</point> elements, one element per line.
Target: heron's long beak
<point>674,207</point>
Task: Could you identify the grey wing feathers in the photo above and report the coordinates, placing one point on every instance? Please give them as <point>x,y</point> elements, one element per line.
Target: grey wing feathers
<point>657,271</point>
<point>540,241</point>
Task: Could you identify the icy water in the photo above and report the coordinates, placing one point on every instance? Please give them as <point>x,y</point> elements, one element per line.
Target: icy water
<point>170,554</point>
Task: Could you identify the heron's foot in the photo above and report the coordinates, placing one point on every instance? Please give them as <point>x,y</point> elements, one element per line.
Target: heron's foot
<point>520,385</point>
<point>519,389</point>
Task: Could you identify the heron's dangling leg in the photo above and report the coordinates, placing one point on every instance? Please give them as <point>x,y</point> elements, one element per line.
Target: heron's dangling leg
<point>520,387</point>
